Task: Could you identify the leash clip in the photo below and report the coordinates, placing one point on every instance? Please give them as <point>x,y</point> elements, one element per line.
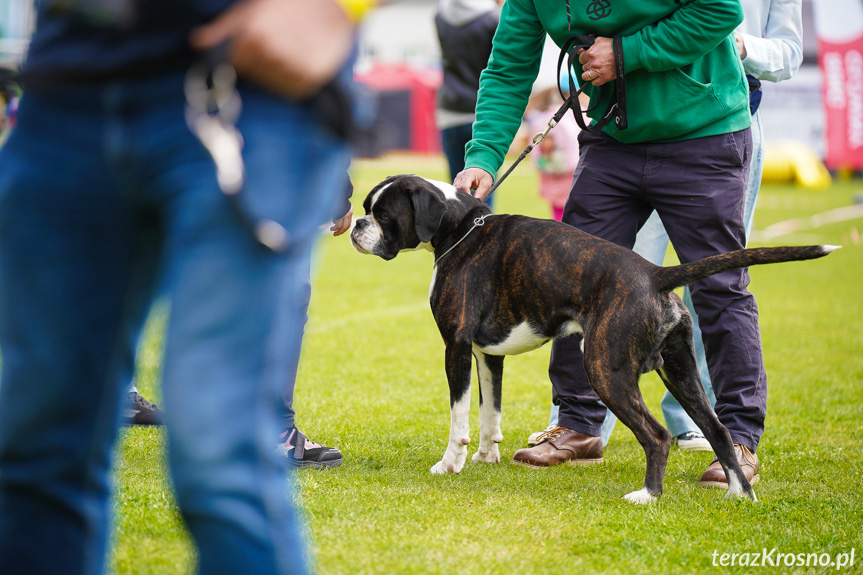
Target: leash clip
<point>538,139</point>
<point>479,221</point>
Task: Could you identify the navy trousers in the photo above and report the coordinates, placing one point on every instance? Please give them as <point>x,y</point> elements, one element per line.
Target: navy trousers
<point>698,188</point>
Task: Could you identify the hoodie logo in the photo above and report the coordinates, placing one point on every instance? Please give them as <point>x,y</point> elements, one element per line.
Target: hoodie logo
<point>598,9</point>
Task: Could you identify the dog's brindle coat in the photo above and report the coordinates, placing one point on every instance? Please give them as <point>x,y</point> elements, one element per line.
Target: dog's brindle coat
<point>515,282</point>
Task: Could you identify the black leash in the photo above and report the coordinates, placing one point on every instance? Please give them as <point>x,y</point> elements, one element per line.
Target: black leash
<point>616,107</point>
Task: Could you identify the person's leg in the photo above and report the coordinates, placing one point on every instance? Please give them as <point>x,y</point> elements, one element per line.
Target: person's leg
<point>605,201</point>
<point>77,257</point>
<point>293,354</point>
<point>234,314</point>
<point>676,419</point>
<point>756,169</point>
<point>651,243</point>
<point>293,444</point>
<point>715,171</point>
<point>453,140</point>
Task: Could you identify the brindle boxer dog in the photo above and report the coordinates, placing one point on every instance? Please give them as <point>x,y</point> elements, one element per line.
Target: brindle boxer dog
<point>504,285</point>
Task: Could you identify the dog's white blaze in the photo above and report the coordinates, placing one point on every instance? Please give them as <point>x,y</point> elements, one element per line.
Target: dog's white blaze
<point>378,195</point>
<point>521,339</point>
<point>640,497</point>
<point>449,191</point>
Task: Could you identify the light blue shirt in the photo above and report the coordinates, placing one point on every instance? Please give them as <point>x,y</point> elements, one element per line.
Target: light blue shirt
<point>772,33</point>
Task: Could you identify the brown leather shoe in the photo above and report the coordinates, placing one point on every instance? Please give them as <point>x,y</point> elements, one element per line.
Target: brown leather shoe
<point>561,445</point>
<point>715,475</point>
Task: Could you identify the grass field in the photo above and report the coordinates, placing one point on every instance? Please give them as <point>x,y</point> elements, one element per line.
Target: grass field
<point>372,383</point>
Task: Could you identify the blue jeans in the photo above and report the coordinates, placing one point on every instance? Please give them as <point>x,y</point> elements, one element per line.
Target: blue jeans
<point>104,193</point>
<point>651,243</point>
<point>302,311</point>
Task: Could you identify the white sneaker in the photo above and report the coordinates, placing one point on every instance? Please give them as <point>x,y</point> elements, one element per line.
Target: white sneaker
<point>692,441</point>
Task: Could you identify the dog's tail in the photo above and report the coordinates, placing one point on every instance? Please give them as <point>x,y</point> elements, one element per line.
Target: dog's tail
<point>672,277</point>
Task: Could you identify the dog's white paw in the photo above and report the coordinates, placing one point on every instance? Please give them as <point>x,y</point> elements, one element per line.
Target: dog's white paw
<point>451,462</point>
<point>735,488</point>
<point>490,455</point>
<point>439,468</point>
<point>739,493</point>
<point>442,467</point>
<point>640,497</point>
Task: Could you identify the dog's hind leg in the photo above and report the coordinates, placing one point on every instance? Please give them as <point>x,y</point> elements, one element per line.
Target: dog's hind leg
<point>489,370</point>
<point>680,375</point>
<point>617,386</point>
<point>457,363</point>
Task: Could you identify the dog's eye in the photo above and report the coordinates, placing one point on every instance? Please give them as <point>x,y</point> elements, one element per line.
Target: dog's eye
<point>383,218</point>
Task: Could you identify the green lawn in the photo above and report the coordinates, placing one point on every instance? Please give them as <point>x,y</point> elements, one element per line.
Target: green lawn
<point>372,383</point>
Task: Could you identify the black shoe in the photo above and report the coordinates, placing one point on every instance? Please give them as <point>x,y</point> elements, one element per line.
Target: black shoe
<point>142,412</point>
<point>301,452</point>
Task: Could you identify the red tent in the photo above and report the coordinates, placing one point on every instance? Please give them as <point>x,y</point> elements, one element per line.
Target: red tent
<point>407,105</point>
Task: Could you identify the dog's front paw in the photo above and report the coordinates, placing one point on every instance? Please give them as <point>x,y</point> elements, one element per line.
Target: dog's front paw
<point>490,455</point>
<point>640,497</point>
<point>452,461</point>
<point>442,467</point>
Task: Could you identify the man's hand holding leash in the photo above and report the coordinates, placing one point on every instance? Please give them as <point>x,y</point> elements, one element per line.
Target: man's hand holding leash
<point>598,62</point>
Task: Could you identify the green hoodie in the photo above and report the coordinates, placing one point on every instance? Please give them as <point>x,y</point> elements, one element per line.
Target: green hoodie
<point>684,78</point>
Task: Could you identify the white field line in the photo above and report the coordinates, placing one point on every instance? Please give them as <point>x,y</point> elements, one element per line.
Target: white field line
<point>842,214</point>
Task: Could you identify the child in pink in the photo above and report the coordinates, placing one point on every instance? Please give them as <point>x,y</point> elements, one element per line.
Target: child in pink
<point>557,156</point>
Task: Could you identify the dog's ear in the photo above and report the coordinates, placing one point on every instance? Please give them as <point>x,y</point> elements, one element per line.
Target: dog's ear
<point>428,213</point>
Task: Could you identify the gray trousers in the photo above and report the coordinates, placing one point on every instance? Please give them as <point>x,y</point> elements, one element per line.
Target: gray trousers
<point>698,188</point>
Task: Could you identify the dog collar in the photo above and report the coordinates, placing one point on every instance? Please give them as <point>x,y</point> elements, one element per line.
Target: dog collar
<point>477,222</point>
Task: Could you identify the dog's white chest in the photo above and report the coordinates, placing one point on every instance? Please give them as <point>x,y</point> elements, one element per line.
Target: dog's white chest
<point>521,339</point>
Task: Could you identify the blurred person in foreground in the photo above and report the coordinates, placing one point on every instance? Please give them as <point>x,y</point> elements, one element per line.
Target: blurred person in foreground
<point>118,177</point>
